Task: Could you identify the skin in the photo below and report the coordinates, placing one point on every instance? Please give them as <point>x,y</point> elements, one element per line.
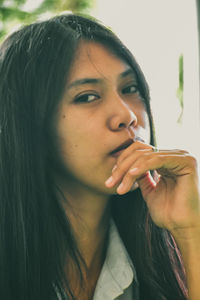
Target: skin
<point>173,201</point>
<point>88,132</point>
<point>110,112</point>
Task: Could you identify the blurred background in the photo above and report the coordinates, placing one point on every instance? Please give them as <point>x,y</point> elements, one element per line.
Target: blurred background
<point>162,35</point>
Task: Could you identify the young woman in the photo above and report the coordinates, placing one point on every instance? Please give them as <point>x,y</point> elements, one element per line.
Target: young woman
<point>89,209</point>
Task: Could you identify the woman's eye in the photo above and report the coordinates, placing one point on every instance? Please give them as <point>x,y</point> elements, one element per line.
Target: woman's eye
<point>131,89</point>
<point>86,98</point>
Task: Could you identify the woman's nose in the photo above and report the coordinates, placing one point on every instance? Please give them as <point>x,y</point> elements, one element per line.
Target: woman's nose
<point>122,116</point>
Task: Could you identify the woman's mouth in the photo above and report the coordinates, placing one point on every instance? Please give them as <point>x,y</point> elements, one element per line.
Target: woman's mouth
<point>116,154</point>
<point>118,150</point>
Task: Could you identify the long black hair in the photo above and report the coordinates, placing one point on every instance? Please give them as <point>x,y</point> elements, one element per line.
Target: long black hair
<point>36,238</point>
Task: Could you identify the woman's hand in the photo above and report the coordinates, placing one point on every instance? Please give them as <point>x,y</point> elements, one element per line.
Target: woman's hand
<point>173,195</point>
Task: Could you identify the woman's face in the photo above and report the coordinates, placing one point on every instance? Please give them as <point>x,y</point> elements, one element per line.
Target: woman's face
<point>100,110</point>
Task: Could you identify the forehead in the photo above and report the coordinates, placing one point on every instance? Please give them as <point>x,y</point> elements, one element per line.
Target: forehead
<point>93,59</point>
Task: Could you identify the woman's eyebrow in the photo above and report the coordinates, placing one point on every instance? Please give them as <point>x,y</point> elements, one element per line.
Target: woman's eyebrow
<point>127,72</point>
<point>84,81</point>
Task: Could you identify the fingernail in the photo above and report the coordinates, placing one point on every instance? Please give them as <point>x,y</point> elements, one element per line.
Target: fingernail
<point>115,167</point>
<point>133,171</point>
<point>120,187</point>
<point>109,181</point>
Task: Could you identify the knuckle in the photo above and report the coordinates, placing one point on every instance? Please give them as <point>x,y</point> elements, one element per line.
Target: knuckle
<point>121,168</point>
<point>184,151</point>
<point>128,177</point>
<point>142,159</point>
<point>192,161</point>
<point>119,173</point>
<point>121,158</point>
<point>181,151</point>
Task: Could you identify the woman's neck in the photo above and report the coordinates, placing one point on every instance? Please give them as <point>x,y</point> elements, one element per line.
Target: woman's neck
<point>89,216</point>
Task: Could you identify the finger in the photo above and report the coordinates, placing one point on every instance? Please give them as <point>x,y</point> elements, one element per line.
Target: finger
<point>122,168</point>
<point>146,183</point>
<point>170,165</point>
<point>140,173</point>
<point>133,147</point>
<point>178,151</point>
<point>136,145</point>
<point>140,151</point>
<point>146,180</point>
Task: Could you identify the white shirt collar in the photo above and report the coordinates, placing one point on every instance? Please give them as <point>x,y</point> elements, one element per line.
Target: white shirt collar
<point>117,272</point>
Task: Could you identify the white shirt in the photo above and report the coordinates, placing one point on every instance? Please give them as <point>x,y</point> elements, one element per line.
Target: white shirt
<point>118,274</point>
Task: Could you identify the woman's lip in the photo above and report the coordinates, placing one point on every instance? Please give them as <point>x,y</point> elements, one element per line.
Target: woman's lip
<point>116,154</point>
<point>122,146</point>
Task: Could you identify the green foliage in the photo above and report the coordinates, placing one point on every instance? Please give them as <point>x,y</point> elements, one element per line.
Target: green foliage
<point>180,89</point>
<point>73,5</point>
<point>12,12</point>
